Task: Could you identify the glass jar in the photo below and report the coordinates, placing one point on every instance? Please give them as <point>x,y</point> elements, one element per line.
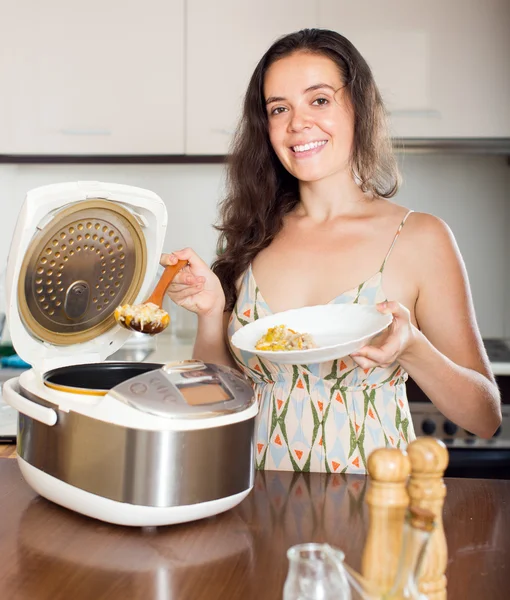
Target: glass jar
<point>316,572</point>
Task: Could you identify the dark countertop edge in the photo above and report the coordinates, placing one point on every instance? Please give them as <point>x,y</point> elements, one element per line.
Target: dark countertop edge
<point>481,146</point>
<point>156,159</point>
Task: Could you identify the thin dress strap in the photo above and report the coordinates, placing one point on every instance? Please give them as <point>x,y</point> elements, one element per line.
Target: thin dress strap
<point>395,240</point>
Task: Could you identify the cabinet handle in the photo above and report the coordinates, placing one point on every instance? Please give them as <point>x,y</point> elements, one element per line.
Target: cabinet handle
<point>27,407</point>
<point>85,132</point>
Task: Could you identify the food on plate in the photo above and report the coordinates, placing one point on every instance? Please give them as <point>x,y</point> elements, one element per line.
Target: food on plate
<point>281,339</point>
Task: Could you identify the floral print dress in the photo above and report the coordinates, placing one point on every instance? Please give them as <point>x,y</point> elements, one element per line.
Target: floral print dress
<point>324,417</point>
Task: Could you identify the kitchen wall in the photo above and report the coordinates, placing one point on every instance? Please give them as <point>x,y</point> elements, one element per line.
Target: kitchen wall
<point>471,193</point>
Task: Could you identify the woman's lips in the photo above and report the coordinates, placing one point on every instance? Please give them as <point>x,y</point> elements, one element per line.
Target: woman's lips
<point>315,149</point>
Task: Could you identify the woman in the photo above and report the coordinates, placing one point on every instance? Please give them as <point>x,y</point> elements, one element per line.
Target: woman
<point>307,221</point>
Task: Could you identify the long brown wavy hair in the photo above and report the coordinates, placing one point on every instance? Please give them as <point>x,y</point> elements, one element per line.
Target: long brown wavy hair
<point>260,191</point>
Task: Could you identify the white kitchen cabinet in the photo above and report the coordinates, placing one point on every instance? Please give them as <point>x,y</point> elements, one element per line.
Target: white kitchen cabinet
<point>225,40</point>
<point>442,67</point>
<point>93,78</point>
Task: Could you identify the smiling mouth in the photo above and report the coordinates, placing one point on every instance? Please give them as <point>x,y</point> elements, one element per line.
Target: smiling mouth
<point>307,147</point>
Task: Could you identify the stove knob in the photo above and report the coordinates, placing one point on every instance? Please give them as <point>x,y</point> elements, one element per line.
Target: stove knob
<point>428,427</point>
<point>450,428</point>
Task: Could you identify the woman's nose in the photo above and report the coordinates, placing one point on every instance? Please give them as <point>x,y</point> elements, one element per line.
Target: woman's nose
<point>299,120</point>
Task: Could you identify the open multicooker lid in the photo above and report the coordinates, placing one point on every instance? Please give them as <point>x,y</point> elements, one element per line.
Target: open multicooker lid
<point>78,251</point>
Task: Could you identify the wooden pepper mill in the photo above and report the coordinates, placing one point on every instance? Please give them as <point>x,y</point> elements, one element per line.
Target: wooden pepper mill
<point>387,500</point>
<point>429,459</point>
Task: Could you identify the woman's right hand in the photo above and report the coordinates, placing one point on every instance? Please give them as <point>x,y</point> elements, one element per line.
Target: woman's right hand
<point>195,287</point>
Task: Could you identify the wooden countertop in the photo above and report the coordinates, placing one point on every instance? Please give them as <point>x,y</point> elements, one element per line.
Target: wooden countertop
<point>49,552</point>
<point>7,450</point>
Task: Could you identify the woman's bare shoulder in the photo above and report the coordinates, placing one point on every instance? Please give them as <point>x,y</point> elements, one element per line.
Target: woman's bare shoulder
<point>431,241</point>
<point>426,228</point>
<point>421,228</point>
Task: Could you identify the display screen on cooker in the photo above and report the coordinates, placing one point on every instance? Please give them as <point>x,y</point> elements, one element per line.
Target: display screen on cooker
<point>206,391</point>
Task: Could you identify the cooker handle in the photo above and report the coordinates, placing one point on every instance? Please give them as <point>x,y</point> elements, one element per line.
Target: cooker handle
<point>12,397</point>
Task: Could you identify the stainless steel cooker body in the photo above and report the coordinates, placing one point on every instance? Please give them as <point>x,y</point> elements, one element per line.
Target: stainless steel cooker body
<point>152,468</point>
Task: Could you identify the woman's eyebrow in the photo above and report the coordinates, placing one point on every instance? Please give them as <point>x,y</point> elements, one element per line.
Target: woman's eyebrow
<point>312,88</point>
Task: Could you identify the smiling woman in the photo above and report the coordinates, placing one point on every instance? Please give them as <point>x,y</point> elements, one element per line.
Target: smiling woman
<point>312,110</point>
<point>308,221</point>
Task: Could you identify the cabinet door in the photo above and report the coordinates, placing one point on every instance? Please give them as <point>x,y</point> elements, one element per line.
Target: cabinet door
<point>225,41</point>
<point>442,67</point>
<point>92,78</point>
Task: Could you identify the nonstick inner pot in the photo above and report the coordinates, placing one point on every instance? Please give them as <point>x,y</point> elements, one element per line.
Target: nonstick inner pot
<point>97,376</point>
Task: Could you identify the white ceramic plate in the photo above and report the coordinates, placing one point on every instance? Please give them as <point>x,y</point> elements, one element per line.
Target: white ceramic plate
<point>337,329</point>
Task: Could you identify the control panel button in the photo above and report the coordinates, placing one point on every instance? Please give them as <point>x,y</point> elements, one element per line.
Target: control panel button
<point>428,427</point>
<point>450,428</point>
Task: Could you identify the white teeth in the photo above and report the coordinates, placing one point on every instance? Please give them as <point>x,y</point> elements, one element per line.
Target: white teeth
<point>309,146</point>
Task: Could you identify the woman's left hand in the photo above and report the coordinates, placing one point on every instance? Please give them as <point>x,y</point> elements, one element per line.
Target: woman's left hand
<point>385,349</point>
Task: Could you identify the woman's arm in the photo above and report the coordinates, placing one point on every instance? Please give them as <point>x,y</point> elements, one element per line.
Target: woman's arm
<point>211,343</point>
<point>445,356</point>
<point>447,359</point>
<point>197,289</point>
<point>464,395</point>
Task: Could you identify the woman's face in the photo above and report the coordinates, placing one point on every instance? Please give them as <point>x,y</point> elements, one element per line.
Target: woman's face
<point>310,118</point>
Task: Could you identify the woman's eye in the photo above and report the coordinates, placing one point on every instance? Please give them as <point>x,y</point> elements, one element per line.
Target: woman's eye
<point>278,110</point>
<point>321,101</point>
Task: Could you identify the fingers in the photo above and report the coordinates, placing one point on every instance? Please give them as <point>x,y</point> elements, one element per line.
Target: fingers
<point>394,308</point>
<point>186,254</point>
<point>364,363</point>
<point>195,287</point>
<point>385,349</point>
<point>371,356</point>
<point>168,259</point>
<point>185,292</point>
<point>185,283</point>
<point>185,279</point>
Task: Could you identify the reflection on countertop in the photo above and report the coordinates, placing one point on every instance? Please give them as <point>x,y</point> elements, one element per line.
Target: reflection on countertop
<point>161,348</point>
<point>130,355</point>
<point>51,553</point>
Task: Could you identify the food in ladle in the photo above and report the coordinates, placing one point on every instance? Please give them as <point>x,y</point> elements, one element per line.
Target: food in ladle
<point>281,339</point>
<point>147,317</point>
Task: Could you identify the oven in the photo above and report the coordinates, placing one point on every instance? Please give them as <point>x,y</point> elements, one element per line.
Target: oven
<point>470,456</point>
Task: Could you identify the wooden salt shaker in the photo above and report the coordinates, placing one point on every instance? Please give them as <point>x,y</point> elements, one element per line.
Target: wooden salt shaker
<point>387,499</point>
<point>429,459</point>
